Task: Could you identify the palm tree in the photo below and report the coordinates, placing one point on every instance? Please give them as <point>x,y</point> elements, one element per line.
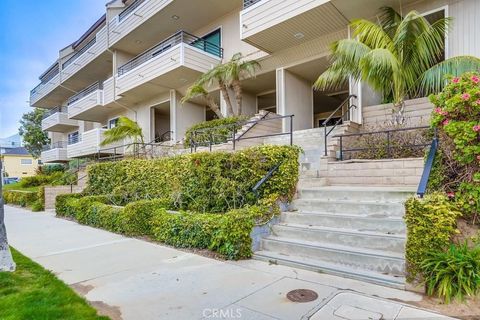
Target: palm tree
<point>197,90</point>
<point>399,57</point>
<point>125,128</point>
<point>227,76</point>
<point>6,261</point>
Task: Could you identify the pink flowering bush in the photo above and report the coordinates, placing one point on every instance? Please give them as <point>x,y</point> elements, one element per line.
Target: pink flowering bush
<point>457,118</point>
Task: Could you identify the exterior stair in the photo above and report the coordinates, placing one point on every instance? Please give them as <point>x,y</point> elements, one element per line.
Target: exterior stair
<point>351,231</point>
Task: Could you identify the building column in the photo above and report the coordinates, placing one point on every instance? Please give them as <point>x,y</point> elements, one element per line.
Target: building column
<point>183,116</point>
<point>294,97</point>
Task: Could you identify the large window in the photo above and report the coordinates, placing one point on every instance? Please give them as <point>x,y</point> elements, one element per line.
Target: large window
<point>26,162</point>
<point>432,17</point>
<point>112,123</point>
<point>73,137</point>
<point>210,43</point>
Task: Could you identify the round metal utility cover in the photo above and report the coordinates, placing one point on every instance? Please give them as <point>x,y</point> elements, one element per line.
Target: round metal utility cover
<point>302,295</point>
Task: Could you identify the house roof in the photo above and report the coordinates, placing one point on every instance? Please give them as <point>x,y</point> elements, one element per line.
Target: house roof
<point>19,151</point>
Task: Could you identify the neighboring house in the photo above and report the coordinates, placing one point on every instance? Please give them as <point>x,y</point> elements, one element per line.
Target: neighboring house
<point>18,163</point>
<point>11,142</point>
<point>133,61</point>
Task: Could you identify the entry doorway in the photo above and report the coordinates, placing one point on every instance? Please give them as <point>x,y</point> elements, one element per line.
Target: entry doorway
<point>161,130</point>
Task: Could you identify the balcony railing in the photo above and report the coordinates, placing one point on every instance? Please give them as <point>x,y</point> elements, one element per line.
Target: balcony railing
<point>130,9</point>
<point>50,73</point>
<point>54,110</point>
<point>85,92</point>
<point>179,37</point>
<point>249,3</point>
<point>55,145</point>
<point>79,53</point>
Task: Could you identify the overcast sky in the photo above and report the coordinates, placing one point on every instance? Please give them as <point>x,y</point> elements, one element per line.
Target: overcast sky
<point>31,34</point>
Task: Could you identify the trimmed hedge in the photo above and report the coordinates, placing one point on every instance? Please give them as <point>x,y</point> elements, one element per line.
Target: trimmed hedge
<point>431,223</point>
<point>218,133</point>
<point>228,233</point>
<point>33,199</point>
<point>202,182</point>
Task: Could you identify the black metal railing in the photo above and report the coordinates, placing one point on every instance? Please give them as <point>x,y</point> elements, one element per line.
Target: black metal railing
<point>164,137</point>
<point>267,177</point>
<point>129,9</point>
<point>74,139</point>
<point>77,54</point>
<point>135,150</point>
<point>386,146</point>
<point>179,37</point>
<point>209,137</point>
<point>85,92</point>
<point>50,73</point>
<point>55,145</point>
<point>345,116</point>
<point>249,3</point>
<point>427,169</point>
<point>54,110</point>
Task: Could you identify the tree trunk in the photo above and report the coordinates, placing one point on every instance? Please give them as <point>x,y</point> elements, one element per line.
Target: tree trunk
<point>6,260</point>
<point>214,107</point>
<point>226,97</point>
<point>398,114</point>
<point>237,88</point>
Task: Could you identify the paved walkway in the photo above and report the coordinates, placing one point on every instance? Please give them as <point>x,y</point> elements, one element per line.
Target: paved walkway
<point>134,279</point>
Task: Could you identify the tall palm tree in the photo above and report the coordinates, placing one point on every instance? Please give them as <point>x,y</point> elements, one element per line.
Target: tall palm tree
<point>6,261</point>
<point>400,57</point>
<point>125,128</point>
<point>227,76</point>
<point>198,90</point>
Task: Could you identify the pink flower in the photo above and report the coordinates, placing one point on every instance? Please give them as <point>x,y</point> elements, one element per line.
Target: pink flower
<point>478,102</point>
<point>455,80</point>
<point>445,122</point>
<point>476,128</point>
<point>438,110</point>
<point>451,195</point>
<point>444,113</point>
<point>478,157</point>
<point>465,96</point>
<point>475,79</point>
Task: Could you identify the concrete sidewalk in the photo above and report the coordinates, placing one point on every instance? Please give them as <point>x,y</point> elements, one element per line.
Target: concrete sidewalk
<point>133,279</point>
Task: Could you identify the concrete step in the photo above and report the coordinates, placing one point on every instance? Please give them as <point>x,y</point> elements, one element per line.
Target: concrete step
<point>346,221</point>
<point>361,208</point>
<point>330,268</point>
<point>392,244</point>
<point>351,257</point>
<point>355,193</point>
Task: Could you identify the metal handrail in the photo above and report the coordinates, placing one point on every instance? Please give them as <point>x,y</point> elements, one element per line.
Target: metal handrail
<point>161,138</point>
<point>85,92</point>
<point>388,132</point>
<point>55,145</point>
<point>194,144</point>
<point>253,125</point>
<point>77,54</point>
<point>249,3</point>
<point>427,169</point>
<point>126,12</point>
<point>262,181</point>
<point>179,37</point>
<point>52,111</point>
<point>346,112</point>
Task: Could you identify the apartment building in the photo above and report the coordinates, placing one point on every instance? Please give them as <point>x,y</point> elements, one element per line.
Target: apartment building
<point>140,57</point>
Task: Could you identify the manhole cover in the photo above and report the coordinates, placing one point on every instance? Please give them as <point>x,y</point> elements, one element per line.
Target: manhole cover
<point>302,295</point>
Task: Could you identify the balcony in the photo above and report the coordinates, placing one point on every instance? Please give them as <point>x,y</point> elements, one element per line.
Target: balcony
<point>56,152</point>
<point>56,120</point>
<point>48,93</point>
<point>172,63</point>
<point>273,25</point>
<point>86,105</point>
<point>88,145</point>
<point>145,22</point>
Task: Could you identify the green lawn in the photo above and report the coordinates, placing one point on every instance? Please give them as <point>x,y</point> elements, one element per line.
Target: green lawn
<point>34,293</point>
<point>16,186</point>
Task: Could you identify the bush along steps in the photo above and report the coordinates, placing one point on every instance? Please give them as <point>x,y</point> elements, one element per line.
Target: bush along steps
<point>201,200</point>
<point>32,199</point>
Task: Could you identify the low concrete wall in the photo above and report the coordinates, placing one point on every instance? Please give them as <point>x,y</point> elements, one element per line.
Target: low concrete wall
<point>417,112</point>
<point>52,192</point>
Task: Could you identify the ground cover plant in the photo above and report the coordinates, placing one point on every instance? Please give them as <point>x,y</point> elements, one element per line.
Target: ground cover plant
<point>32,292</point>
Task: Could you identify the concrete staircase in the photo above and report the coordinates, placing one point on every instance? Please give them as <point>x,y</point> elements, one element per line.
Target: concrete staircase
<point>355,232</point>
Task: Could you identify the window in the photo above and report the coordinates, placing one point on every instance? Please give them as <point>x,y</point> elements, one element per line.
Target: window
<point>433,17</point>
<point>210,43</point>
<point>73,137</point>
<point>26,162</point>
<point>112,123</point>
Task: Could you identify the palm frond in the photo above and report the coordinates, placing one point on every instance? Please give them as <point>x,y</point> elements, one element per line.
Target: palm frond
<point>125,128</point>
<point>371,34</point>
<point>433,80</point>
<point>389,20</point>
<point>331,79</point>
<point>194,91</point>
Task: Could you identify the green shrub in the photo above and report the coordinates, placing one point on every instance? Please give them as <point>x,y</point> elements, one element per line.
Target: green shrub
<point>217,130</point>
<point>51,168</point>
<point>136,218</point>
<point>431,222</point>
<point>20,198</point>
<point>62,205</point>
<point>202,182</point>
<point>454,273</point>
